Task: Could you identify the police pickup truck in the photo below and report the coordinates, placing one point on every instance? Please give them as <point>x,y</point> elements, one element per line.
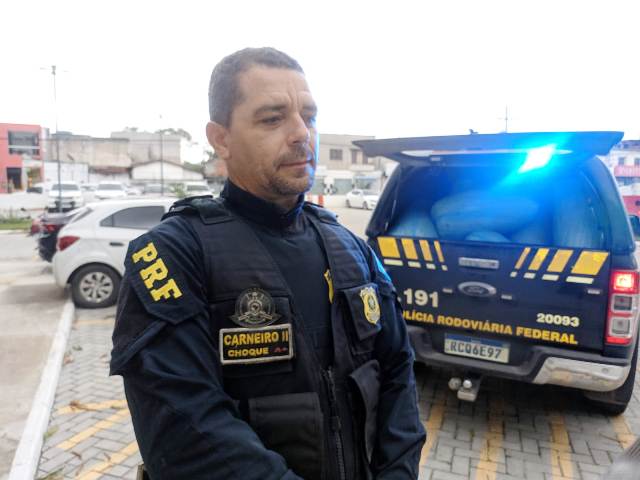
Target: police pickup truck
<point>513,257</point>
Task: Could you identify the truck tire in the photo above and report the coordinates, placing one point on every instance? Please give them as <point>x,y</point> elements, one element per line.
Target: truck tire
<point>615,402</point>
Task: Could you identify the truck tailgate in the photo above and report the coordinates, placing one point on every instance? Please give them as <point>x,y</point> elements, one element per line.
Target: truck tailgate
<point>512,293</point>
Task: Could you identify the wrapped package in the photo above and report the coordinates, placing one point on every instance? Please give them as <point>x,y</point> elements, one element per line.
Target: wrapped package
<point>458,215</point>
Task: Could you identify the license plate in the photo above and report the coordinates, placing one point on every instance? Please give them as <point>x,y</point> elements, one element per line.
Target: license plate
<point>484,349</point>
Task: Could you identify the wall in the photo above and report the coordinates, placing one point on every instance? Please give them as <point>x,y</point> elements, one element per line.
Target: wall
<point>96,152</point>
<point>147,146</point>
<point>14,160</point>
<point>76,172</point>
<point>151,172</point>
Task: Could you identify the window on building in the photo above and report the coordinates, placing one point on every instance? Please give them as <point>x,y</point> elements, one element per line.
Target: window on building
<point>335,154</point>
<point>636,161</point>
<point>142,218</point>
<point>354,156</point>
<point>24,142</point>
<point>365,159</point>
<point>621,161</point>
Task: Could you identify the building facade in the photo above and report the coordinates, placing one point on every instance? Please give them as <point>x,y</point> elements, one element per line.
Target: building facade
<point>343,166</point>
<point>624,161</point>
<point>22,151</point>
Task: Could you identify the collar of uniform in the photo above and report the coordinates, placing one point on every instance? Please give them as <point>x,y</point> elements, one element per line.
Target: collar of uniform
<point>259,210</point>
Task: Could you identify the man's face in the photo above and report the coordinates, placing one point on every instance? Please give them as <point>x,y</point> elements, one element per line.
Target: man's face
<point>271,142</point>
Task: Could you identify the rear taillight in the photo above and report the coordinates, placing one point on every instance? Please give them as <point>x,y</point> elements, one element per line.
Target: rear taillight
<point>66,241</point>
<point>49,227</point>
<point>623,307</point>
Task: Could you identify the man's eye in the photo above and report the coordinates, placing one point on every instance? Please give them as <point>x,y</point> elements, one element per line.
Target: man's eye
<point>310,121</point>
<point>270,120</point>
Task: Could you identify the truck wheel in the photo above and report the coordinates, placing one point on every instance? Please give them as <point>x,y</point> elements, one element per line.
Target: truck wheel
<point>615,402</point>
<point>95,286</point>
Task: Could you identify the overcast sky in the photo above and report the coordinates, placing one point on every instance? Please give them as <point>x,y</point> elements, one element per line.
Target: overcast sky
<point>389,69</point>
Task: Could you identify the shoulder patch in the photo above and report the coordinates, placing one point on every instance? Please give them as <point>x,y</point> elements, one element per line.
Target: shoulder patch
<point>158,280</point>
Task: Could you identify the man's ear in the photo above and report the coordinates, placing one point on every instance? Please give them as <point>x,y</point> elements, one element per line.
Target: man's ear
<point>218,137</point>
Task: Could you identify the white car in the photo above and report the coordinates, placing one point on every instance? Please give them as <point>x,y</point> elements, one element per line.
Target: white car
<point>362,199</point>
<point>109,190</point>
<point>91,248</point>
<point>69,193</point>
<point>193,189</point>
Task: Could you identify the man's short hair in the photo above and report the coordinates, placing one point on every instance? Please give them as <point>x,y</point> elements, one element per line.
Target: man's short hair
<point>224,93</point>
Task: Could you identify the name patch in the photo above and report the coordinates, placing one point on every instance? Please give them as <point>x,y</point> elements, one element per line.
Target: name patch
<point>257,345</point>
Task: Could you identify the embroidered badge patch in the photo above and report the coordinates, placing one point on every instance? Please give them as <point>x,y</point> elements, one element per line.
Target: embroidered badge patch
<point>258,345</point>
<point>254,308</point>
<point>327,277</point>
<point>371,307</point>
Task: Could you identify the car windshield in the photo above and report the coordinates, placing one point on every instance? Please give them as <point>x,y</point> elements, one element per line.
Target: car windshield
<point>65,187</point>
<point>110,186</point>
<point>369,192</point>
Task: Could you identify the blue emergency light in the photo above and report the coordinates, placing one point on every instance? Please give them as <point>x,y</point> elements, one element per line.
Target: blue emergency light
<point>537,158</point>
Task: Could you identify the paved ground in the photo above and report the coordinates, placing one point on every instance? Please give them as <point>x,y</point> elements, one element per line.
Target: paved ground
<point>513,431</point>
<point>30,308</point>
<point>90,434</point>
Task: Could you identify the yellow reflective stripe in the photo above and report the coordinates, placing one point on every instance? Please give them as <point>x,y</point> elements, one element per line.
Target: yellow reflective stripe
<point>524,254</point>
<point>438,251</point>
<point>409,249</point>
<point>426,251</point>
<point>559,261</point>
<point>541,254</point>
<point>388,247</point>
<point>589,263</point>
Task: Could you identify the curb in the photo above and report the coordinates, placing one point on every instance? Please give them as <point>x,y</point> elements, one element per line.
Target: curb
<point>25,461</point>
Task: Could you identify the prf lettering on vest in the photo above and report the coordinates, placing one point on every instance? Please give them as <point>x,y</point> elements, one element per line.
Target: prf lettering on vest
<point>156,272</point>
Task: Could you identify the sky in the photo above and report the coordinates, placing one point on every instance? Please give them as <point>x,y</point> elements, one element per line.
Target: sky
<point>387,69</point>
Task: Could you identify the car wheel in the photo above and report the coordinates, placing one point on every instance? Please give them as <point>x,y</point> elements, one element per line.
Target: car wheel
<point>95,286</point>
<point>365,205</point>
<point>348,204</point>
<point>615,402</point>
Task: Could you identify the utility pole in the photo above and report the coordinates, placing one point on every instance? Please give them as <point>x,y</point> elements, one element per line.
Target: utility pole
<point>161,133</point>
<point>506,118</point>
<point>55,106</point>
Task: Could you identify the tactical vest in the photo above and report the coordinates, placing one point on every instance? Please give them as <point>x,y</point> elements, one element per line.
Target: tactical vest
<point>322,422</point>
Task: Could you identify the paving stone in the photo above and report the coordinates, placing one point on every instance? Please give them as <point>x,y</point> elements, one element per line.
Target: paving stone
<point>438,475</point>
<point>460,465</point>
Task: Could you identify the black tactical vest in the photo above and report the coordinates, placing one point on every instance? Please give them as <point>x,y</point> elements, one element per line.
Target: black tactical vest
<point>322,421</point>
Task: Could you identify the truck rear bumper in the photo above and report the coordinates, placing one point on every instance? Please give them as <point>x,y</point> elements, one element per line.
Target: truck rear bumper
<point>544,365</point>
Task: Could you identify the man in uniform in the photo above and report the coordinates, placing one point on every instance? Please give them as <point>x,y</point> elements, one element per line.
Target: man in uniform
<point>257,337</point>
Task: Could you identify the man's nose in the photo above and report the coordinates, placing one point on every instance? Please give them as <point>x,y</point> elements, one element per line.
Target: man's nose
<point>299,130</point>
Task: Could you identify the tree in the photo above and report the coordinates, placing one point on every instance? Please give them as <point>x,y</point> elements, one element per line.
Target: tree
<point>175,131</point>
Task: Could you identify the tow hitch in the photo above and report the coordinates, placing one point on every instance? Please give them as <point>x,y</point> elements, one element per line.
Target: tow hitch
<point>466,386</point>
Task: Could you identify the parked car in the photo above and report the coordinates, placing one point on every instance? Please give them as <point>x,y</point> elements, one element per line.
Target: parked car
<point>49,225</point>
<point>133,191</point>
<point>91,248</point>
<point>194,189</point>
<point>110,190</point>
<point>366,199</point>
<point>36,188</point>
<point>70,194</point>
<point>513,257</point>
<point>154,189</point>
<point>89,187</point>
